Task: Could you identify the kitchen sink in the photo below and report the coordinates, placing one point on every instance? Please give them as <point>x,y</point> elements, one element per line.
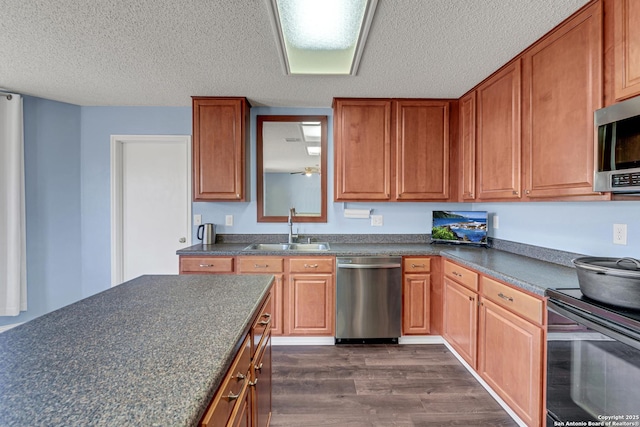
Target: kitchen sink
<point>271,247</point>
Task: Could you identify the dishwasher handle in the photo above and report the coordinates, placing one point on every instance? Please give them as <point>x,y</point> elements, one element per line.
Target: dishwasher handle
<point>363,266</point>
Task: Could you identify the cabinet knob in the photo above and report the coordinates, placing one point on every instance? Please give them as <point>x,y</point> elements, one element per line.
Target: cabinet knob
<point>515,193</point>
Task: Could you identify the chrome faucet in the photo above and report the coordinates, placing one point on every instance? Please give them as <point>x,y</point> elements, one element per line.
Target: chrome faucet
<point>292,212</point>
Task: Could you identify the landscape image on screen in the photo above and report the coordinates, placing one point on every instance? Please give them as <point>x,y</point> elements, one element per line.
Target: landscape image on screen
<point>460,227</point>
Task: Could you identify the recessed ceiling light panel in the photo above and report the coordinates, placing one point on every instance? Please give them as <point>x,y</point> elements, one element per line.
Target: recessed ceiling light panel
<point>321,36</point>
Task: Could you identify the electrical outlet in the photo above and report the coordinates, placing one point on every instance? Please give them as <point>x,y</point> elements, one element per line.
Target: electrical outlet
<point>228,220</point>
<point>496,222</point>
<point>197,219</point>
<point>620,234</point>
<point>376,220</point>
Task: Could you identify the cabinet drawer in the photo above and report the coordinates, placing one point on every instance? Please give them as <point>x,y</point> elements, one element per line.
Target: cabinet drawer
<point>462,275</point>
<point>261,327</point>
<point>525,305</point>
<point>233,387</point>
<point>260,264</point>
<point>417,265</point>
<point>311,265</point>
<point>206,264</point>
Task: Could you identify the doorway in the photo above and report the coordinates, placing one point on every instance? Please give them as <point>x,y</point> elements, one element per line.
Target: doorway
<point>150,204</point>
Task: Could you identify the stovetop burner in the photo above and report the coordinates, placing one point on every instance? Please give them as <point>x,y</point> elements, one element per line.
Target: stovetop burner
<point>573,297</point>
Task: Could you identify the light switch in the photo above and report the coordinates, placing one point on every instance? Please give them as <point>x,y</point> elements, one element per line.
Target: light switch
<point>228,220</point>
<point>197,219</point>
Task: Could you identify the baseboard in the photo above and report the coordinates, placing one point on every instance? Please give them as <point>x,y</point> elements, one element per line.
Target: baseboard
<point>486,386</point>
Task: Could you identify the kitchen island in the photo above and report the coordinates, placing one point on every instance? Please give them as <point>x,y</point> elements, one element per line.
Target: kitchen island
<point>151,351</point>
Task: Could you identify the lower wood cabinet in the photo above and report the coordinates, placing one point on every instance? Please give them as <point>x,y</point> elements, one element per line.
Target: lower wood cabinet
<point>500,331</point>
<point>268,265</point>
<point>244,397</point>
<point>310,297</point>
<point>460,320</point>
<point>206,264</point>
<point>510,359</point>
<point>416,296</point>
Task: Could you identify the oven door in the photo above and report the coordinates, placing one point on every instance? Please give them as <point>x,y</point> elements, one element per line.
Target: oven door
<point>593,372</point>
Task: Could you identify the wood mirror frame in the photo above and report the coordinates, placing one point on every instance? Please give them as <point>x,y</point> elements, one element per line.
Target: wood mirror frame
<point>260,120</point>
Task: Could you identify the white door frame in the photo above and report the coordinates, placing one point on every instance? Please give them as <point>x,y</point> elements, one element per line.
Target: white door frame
<point>117,145</point>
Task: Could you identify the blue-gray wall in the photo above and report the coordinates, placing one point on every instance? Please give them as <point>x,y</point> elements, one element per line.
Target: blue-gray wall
<point>67,156</point>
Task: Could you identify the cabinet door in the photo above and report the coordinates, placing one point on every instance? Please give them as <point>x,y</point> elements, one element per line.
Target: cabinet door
<point>422,150</point>
<point>460,320</point>
<point>467,174</point>
<point>627,48</point>
<point>510,360</point>
<point>311,305</point>
<point>416,304</point>
<point>362,149</point>
<point>277,302</point>
<point>562,77</point>
<point>498,135</point>
<point>219,126</point>
<point>261,387</point>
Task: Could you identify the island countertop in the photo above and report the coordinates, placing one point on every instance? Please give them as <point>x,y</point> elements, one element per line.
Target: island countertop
<point>151,351</point>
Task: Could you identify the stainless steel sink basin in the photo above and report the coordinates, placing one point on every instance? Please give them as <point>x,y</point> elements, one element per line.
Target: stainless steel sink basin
<point>271,247</point>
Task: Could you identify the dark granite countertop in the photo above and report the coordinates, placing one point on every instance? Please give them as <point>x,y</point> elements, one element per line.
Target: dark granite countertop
<point>151,351</point>
<point>533,274</point>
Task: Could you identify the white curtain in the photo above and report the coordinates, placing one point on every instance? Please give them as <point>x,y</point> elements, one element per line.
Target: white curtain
<point>13,271</point>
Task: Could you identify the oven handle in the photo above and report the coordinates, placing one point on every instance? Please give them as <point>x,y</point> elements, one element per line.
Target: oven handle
<point>597,324</point>
<point>361,266</point>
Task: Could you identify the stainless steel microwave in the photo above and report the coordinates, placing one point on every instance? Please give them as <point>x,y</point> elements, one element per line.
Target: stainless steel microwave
<point>618,147</point>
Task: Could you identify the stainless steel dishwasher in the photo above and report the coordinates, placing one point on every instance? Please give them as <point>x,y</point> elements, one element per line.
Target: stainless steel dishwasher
<point>368,299</point>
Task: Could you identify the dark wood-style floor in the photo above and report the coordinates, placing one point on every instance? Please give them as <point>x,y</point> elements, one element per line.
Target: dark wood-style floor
<point>378,385</point>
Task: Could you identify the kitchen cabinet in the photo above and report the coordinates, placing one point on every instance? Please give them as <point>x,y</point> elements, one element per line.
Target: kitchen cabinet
<point>310,297</point>
<point>467,147</point>
<point>230,404</point>
<point>260,384</point>
<point>500,331</point>
<point>220,135</point>
<point>562,87</point>
<point>362,149</point>
<point>376,140</point>
<point>206,264</point>
<point>460,316</point>
<point>416,296</point>
<point>511,347</point>
<point>498,144</point>
<point>268,265</point>
<point>421,149</point>
<point>626,48</point>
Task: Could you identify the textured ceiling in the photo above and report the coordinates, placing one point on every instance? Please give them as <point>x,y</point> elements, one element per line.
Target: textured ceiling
<point>160,52</point>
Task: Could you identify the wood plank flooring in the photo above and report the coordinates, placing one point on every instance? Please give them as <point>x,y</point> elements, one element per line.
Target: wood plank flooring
<point>377,385</point>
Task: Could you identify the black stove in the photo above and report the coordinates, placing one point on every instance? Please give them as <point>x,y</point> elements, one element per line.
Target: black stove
<point>573,299</point>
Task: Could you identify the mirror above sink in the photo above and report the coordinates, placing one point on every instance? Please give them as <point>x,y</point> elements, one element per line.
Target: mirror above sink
<point>291,168</point>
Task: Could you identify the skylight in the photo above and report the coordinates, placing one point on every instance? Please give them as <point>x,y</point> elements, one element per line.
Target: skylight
<point>322,36</point>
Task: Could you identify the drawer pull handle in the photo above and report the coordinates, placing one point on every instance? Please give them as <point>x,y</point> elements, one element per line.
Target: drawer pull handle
<point>264,322</point>
<point>471,298</point>
<point>311,266</point>
<point>503,296</point>
<point>207,265</point>
<point>232,396</point>
<point>253,383</point>
<point>260,266</point>
<point>240,376</point>
<point>259,368</point>
<point>267,315</point>
<point>417,265</point>
<point>455,273</point>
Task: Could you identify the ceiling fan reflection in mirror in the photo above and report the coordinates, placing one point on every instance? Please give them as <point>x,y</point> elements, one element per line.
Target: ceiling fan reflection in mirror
<point>308,171</point>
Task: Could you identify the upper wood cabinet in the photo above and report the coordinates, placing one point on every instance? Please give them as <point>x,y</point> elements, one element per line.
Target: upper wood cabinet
<point>376,140</point>
<point>562,87</point>
<point>219,140</point>
<point>467,147</point>
<point>362,149</point>
<point>627,48</point>
<point>498,135</point>
<point>422,150</point>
